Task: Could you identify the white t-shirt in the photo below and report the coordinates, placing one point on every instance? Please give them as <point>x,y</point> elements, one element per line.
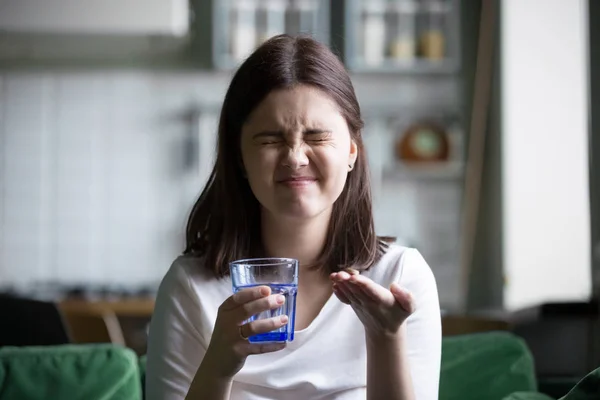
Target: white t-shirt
<point>327,360</point>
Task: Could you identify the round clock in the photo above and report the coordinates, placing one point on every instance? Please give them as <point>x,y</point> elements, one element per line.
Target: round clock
<point>423,142</point>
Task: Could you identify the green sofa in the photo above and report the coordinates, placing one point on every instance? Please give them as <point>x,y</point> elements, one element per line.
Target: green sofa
<point>483,366</point>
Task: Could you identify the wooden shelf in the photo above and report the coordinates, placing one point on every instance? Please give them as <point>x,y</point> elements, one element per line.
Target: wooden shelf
<point>131,307</point>
<point>418,66</point>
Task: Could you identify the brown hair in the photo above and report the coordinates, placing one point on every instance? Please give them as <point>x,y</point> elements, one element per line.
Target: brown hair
<point>224,224</point>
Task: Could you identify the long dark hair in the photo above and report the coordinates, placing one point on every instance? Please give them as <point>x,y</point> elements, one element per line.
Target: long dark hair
<point>225,224</point>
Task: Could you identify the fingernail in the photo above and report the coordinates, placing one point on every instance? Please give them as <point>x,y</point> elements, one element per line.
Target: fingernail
<point>280,299</point>
<point>264,291</point>
<point>284,319</point>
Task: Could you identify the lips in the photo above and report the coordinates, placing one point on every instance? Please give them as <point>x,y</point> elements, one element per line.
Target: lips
<point>297,181</point>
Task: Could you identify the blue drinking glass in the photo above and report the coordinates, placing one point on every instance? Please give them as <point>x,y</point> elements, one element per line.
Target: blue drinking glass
<point>281,275</point>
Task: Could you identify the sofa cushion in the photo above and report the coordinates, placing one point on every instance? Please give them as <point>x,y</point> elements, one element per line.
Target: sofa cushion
<point>487,366</point>
<point>586,389</point>
<point>86,372</point>
<point>557,386</point>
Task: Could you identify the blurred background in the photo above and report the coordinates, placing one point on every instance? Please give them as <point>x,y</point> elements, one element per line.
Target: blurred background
<point>482,133</point>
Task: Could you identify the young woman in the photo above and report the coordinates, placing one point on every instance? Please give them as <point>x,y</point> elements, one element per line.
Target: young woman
<point>291,180</point>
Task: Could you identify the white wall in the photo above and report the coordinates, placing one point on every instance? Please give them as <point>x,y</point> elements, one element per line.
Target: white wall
<point>94,190</point>
<point>544,108</point>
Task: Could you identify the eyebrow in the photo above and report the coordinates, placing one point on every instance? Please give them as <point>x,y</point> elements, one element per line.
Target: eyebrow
<point>316,131</point>
<point>313,131</point>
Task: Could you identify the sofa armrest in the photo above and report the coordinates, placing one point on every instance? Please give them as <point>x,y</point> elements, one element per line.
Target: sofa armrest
<point>485,366</point>
<point>86,372</point>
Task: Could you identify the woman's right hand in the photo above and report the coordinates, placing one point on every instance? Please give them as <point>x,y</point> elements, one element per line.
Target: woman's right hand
<point>227,351</point>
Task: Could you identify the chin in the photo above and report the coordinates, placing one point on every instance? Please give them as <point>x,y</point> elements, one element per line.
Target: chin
<point>298,211</point>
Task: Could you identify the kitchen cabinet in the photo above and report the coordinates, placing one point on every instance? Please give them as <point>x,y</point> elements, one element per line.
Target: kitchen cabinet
<point>227,31</point>
<point>93,33</point>
<point>104,17</point>
<point>401,36</point>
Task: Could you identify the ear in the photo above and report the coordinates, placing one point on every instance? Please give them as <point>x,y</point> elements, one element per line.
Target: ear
<point>353,155</point>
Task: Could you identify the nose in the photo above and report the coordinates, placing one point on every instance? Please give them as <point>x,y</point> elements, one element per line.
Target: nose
<point>295,157</point>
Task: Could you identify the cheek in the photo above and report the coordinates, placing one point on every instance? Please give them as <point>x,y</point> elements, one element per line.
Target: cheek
<point>261,162</point>
<point>334,165</point>
<point>260,166</point>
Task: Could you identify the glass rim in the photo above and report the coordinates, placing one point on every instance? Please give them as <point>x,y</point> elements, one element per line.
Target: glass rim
<point>263,262</point>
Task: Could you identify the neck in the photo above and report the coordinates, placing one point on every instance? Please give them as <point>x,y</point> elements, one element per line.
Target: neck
<point>302,239</point>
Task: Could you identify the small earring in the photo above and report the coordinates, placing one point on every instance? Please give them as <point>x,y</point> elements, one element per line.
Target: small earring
<point>350,166</point>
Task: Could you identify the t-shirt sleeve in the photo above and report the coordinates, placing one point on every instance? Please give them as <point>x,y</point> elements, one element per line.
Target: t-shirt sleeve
<point>424,327</point>
<point>175,345</point>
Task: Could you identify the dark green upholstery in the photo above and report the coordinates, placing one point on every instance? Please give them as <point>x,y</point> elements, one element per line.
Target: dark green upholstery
<point>586,389</point>
<point>485,366</point>
<point>86,372</point>
<point>557,387</point>
<point>488,366</point>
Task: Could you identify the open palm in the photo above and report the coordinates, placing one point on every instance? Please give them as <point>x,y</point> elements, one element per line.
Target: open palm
<point>382,311</point>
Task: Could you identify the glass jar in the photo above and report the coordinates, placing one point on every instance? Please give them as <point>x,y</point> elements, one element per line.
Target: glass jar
<point>432,35</point>
<point>402,28</point>
<point>373,32</point>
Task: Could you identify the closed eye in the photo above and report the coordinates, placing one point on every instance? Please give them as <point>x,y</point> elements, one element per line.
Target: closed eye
<point>317,135</point>
<point>275,137</point>
<point>316,131</point>
<point>271,141</point>
<point>268,137</point>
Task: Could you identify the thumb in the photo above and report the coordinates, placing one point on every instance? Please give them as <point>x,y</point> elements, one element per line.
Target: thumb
<point>403,297</point>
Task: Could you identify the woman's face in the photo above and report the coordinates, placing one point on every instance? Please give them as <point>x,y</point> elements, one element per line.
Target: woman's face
<point>296,151</point>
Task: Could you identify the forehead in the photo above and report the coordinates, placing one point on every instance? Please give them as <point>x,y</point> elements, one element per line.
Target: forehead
<point>301,105</point>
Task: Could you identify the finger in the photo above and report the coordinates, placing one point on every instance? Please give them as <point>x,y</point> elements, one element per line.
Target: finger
<point>348,293</point>
<point>340,295</point>
<point>260,348</point>
<point>358,294</point>
<point>247,295</point>
<point>244,296</point>
<point>403,297</point>
<point>263,325</point>
<point>342,276</point>
<point>372,290</point>
<point>257,306</point>
<point>366,293</point>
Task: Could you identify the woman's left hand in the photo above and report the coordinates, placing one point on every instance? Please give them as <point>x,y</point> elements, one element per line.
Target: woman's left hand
<point>382,311</point>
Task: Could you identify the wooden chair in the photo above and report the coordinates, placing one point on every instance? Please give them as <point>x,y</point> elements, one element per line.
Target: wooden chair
<point>94,327</point>
<point>460,325</point>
